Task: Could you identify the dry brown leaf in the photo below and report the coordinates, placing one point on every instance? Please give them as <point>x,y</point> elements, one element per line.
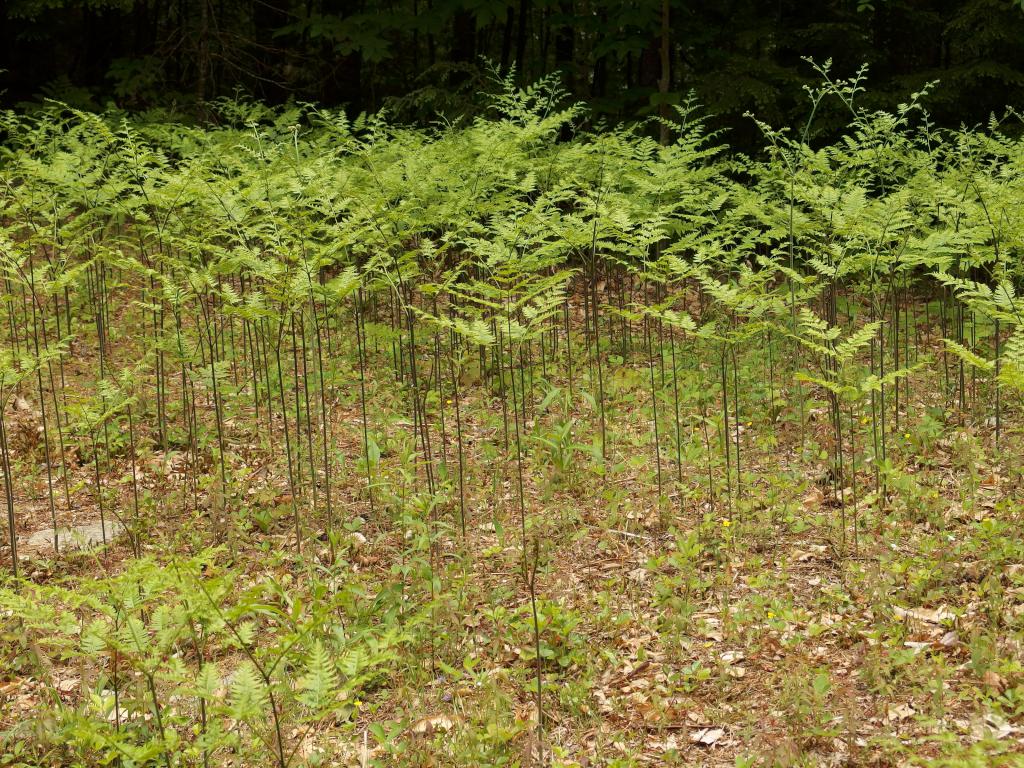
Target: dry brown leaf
<point>638,575</point>
<point>706,736</point>
<point>1000,727</point>
<point>9,689</point>
<point>949,640</point>
<point>813,499</point>
<point>670,744</point>
<point>784,754</point>
<point>994,680</point>
<point>897,712</point>
<point>432,724</point>
<point>928,615</point>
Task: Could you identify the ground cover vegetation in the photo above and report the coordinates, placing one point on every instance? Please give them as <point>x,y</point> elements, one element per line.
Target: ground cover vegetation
<point>505,444</point>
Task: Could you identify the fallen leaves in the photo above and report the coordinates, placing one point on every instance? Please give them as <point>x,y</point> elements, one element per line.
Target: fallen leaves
<point>813,552</point>
<point>813,499</point>
<point>899,712</point>
<point>927,615</point>
<point>432,724</point>
<point>707,737</point>
<point>994,726</point>
<point>994,681</point>
<point>731,663</point>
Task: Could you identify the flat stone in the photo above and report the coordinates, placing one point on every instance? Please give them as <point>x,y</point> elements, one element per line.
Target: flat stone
<point>76,537</point>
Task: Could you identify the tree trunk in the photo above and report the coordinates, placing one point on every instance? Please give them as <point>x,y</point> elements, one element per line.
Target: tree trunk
<point>506,39</point>
<point>524,12</point>
<point>565,45</point>
<point>666,72</point>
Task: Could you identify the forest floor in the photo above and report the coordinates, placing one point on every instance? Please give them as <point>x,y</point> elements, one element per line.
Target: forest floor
<point>747,629</point>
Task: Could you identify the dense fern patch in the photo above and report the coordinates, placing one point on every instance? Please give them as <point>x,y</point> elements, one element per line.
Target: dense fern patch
<point>484,446</point>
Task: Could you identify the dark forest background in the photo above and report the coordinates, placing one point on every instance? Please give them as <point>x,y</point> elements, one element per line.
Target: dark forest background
<point>425,58</point>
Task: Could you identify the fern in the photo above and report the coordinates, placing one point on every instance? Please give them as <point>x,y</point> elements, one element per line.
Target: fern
<point>319,683</point>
